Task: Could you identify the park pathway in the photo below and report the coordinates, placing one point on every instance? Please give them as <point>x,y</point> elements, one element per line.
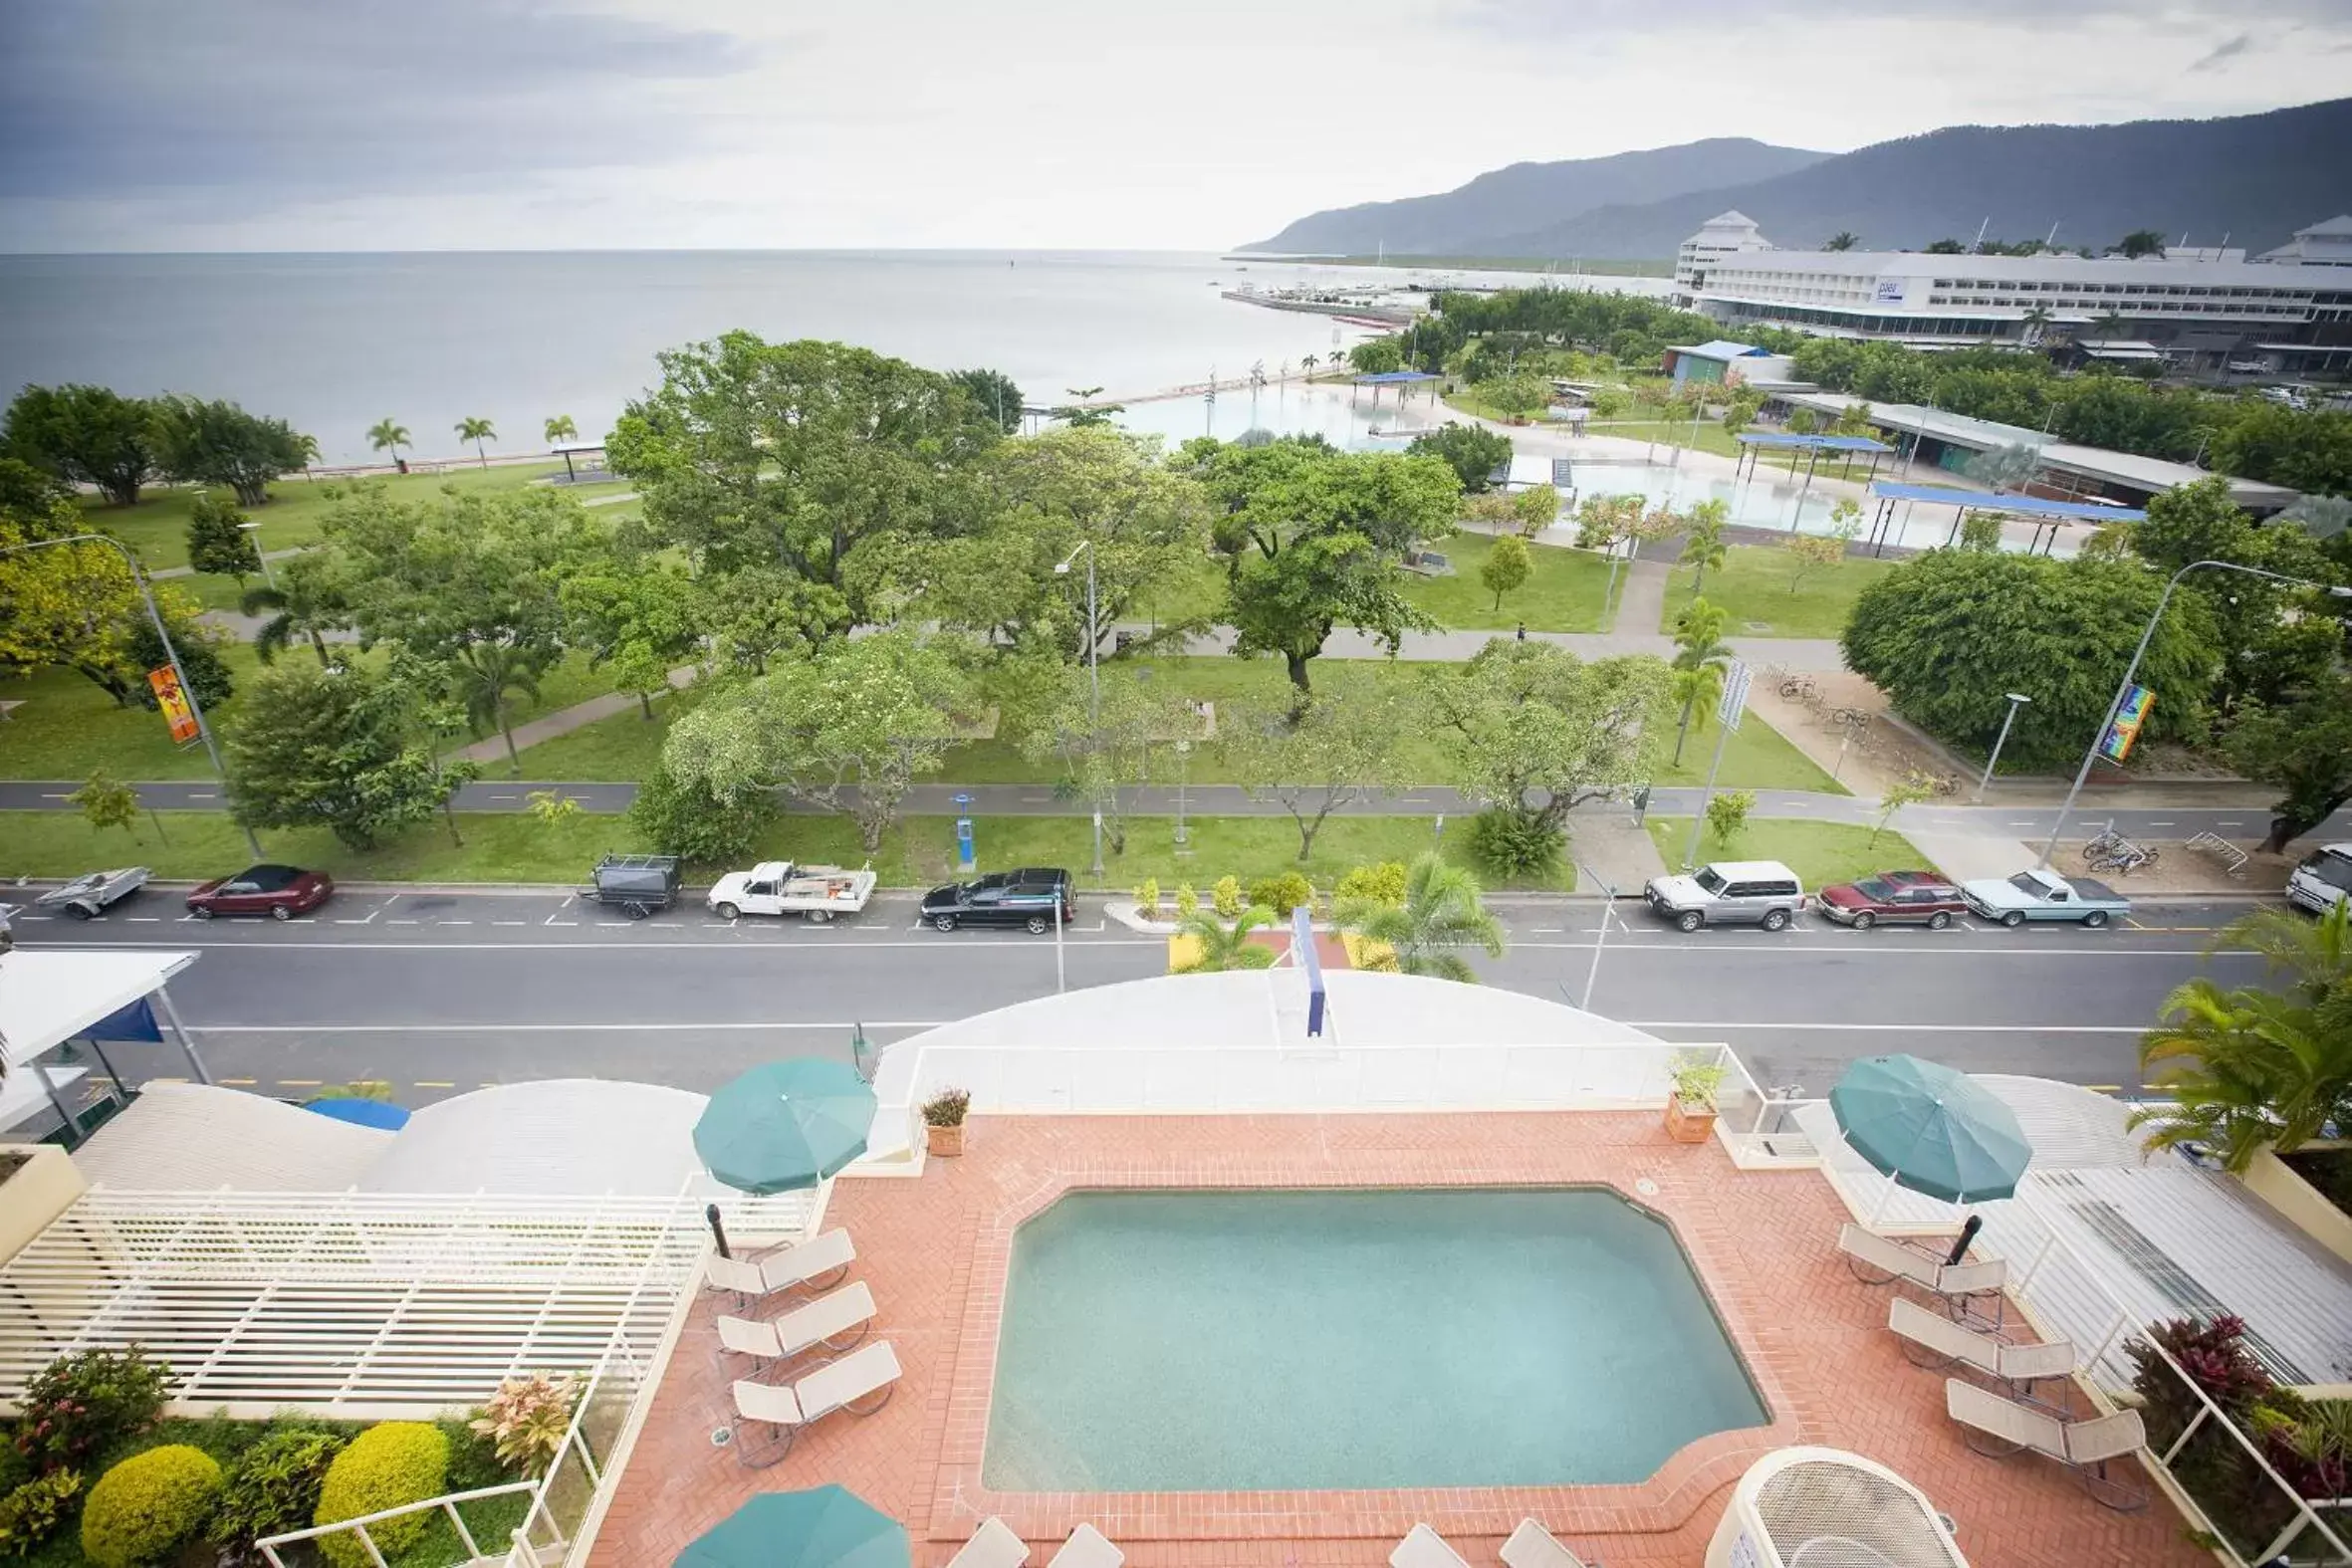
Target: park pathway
<point>1641,608</point>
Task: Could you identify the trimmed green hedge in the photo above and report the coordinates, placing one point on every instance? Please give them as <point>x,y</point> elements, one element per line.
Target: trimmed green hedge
<point>395,1462</point>
<point>150,1504</point>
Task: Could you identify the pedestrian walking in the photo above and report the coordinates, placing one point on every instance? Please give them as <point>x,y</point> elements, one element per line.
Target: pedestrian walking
<point>1522,632</point>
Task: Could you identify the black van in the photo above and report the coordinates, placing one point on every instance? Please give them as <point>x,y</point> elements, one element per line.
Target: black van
<point>1025,897</point>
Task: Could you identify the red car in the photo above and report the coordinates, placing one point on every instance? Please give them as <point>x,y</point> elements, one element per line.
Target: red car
<point>281,892</point>
<point>1919,898</point>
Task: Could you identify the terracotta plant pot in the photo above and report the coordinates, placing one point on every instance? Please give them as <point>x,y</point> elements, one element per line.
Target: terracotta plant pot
<point>1689,1124</point>
<point>946,1142</point>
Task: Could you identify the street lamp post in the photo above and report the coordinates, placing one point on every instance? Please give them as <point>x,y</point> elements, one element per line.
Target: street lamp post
<point>2123,687</point>
<point>253,532</point>
<point>1608,903</point>
<point>2016,701</point>
<point>146,595</point>
<point>1094,671</point>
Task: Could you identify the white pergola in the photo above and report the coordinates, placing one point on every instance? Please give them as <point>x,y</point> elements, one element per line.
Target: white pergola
<point>48,996</point>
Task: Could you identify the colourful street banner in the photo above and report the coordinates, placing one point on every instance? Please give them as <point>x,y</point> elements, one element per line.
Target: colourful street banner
<point>173,703</point>
<point>2116,743</point>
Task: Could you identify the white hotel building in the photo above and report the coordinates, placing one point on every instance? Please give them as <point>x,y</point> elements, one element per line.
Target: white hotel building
<point>2290,311</point>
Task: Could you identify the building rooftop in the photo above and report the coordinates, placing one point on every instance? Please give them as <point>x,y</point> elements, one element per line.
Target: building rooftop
<point>1722,349</point>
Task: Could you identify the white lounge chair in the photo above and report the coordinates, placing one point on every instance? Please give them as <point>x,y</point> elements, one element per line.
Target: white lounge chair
<point>850,1384</point>
<point>993,1545</point>
<point>1423,1547</point>
<point>819,1263</point>
<point>836,1321</point>
<point>2002,1426</point>
<point>1533,1546</point>
<point>1088,1547</point>
<point>1933,1340</point>
<point>1875,1259</point>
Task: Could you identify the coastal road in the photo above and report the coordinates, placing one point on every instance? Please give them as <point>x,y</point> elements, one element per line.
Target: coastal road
<point>443,992</point>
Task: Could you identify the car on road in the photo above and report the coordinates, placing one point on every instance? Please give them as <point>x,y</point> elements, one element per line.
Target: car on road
<point>2322,879</point>
<point>88,895</point>
<point>281,892</point>
<point>1917,898</point>
<point>2040,894</point>
<point>1025,897</point>
<point>1729,893</point>
<point>783,887</point>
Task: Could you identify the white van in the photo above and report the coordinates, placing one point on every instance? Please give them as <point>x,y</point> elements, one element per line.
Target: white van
<point>2322,880</point>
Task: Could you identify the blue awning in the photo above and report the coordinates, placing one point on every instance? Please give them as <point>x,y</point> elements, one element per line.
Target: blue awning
<point>1390,377</point>
<point>2015,506</point>
<point>362,1113</point>
<point>1818,443</point>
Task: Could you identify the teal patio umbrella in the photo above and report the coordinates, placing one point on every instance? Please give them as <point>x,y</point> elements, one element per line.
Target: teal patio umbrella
<point>827,1527</point>
<point>785,1125</point>
<point>1931,1129</point>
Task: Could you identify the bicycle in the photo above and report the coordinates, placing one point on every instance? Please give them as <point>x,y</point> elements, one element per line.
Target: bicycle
<point>1798,687</point>
<point>1945,785</point>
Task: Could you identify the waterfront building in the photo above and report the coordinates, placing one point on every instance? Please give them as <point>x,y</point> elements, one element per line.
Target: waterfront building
<point>2202,316</point>
<point>2327,244</point>
<point>1725,234</point>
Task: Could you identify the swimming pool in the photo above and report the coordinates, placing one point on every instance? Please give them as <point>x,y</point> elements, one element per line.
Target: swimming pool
<point>1352,1339</point>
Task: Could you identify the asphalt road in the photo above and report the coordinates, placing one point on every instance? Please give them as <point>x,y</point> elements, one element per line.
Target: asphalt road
<point>441,992</point>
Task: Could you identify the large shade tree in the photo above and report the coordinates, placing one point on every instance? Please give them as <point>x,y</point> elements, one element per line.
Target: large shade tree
<point>1340,750</point>
<point>340,749</point>
<point>85,435</point>
<point>215,442</point>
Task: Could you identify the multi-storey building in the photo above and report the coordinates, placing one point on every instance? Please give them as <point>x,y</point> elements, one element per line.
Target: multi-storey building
<point>1725,234</point>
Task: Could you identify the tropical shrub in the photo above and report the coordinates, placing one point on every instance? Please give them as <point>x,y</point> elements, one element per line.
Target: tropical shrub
<point>394,1462</point>
<point>1382,883</point>
<point>34,1510</point>
<point>526,1419</point>
<point>273,1487</point>
<point>1281,894</point>
<point>150,1504</point>
<point>89,1401</point>
<point>1147,895</point>
<point>1187,901</point>
<point>1225,897</point>
<point>1216,947</point>
<point>1442,914</point>
<point>1512,844</point>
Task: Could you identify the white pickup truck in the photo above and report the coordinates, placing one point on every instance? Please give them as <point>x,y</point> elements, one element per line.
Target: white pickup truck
<point>781,887</point>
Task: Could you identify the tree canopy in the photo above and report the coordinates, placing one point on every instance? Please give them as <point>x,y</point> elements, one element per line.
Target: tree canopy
<point>1472,452</point>
<point>1534,730</point>
<point>334,747</point>
<point>218,443</point>
<point>85,435</point>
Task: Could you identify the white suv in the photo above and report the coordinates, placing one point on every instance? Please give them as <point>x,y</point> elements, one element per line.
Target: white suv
<point>2322,880</point>
<point>1729,893</point>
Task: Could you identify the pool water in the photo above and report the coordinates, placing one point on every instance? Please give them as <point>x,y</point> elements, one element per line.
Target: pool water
<point>1341,1340</point>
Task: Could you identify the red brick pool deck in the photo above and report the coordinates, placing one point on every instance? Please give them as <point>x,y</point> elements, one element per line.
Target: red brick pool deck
<point>934,1252</point>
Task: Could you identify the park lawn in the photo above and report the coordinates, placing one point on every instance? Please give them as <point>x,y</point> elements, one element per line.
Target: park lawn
<point>158,527</point>
<point>1198,593</point>
<point>1820,853</point>
<point>1563,592</point>
<point>1711,436</point>
<point>1754,585</point>
<point>620,748</point>
<point>1758,756</point>
<point>518,847</point>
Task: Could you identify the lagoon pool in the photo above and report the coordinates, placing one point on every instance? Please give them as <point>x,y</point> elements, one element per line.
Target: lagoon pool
<point>1352,1339</point>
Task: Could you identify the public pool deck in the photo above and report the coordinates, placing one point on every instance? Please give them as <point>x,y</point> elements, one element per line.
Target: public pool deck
<point>935,1250</point>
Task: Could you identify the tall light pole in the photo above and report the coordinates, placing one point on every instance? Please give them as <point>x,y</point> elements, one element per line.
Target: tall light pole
<point>2016,701</point>
<point>253,532</point>
<point>2123,687</point>
<point>1094,671</point>
<point>146,595</point>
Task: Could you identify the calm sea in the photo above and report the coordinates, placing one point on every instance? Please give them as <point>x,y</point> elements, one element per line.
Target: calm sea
<point>335,343</point>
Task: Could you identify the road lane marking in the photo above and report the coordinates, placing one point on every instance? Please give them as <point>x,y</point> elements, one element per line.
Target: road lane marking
<point>452,921</point>
<point>1923,1028</point>
<point>570,1028</point>
<point>300,1083</point>
<point>143,920</point>
<point>240,1083</point>
<point>435,1083</point>
<point>510,922</point>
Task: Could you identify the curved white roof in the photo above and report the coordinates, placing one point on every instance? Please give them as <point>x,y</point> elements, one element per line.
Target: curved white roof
<point>47,996</point>
<point>193,1137</point>
<point>560,1136</point>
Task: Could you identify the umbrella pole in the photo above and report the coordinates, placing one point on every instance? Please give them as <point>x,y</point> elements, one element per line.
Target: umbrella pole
<point>1880,1206</point>
<point>710,1212</point>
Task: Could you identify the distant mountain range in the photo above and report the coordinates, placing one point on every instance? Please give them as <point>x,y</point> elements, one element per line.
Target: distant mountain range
<point>2255,177</point>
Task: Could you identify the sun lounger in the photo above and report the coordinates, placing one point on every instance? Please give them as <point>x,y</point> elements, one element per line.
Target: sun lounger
<point>817,1263</point>
<point>1931,1339</point>
<point>1533,1546</point>
<point>850,1384</point>
<point>1874,1259</point>
<point>836,1321</point>
<point>2002,1426</point>
<point>1088,1547</point>
<point>1423,1547</point>
<point>993,1545</point>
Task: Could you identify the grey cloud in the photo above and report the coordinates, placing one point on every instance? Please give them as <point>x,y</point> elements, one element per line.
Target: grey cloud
<point>271,101</point>
<point>2223,54</point>
<point>1570,19</point>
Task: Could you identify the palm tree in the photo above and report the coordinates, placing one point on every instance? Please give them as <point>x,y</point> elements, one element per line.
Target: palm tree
<point>2034,323</point>
<point>2109,325</point>
<point>2251,1067</point>
<point>1444,912</point>
<point>2139,243</point>
<point>1307,363</point>
<point>292,614</point>
<point>1702,546</point>
<point>486,673</point>
<point>1699,660</point>
<point>1218,947</point>
<point>388,436</point>
<point>560,428</point>
<point>477,431</point>
<point>1842,240</point>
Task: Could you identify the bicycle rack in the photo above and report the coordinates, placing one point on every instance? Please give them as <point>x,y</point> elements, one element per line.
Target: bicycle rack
<point>2233,859</point>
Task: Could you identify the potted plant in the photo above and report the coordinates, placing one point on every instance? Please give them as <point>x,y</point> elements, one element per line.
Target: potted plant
<point>1690,1107</point>
<point>943,1121</point>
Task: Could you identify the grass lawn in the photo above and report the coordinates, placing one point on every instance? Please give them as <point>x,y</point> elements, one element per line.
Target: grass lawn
<point>1563,592</point>
<point>1820,853</point>
<point>1758,756</point>
<point>1711,437</point>
<point>1754,585</point>
<point>1199,592</point>
<point>517,847</point>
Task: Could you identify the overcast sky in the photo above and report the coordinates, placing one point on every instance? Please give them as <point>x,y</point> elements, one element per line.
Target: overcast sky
<point>330,124</point>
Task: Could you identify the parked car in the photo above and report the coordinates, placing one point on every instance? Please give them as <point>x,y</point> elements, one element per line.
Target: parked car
<point>1729,893</point>
<point>89,894</point>
<point>2040,894</point>
<point>281,892</point>
<point>2322,879</point>
<point>782,887</point>
<point>1025,897</point>
<point>1918,898</point>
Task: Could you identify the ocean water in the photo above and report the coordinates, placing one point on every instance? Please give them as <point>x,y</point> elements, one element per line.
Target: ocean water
<point>335,342</point>
<point>1253,1340</point>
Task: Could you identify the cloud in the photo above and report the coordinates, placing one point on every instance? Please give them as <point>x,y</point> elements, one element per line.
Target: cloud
<point>2223,54</point>
<point>276,101</point>
<point>1575,18</point>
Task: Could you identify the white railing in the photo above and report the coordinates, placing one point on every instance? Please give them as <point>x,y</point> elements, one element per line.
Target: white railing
<point>447,1506</point>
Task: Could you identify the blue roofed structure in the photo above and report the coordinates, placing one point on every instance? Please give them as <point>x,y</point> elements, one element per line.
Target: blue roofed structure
<point>2046,511</point>
<point>1722,360</point>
